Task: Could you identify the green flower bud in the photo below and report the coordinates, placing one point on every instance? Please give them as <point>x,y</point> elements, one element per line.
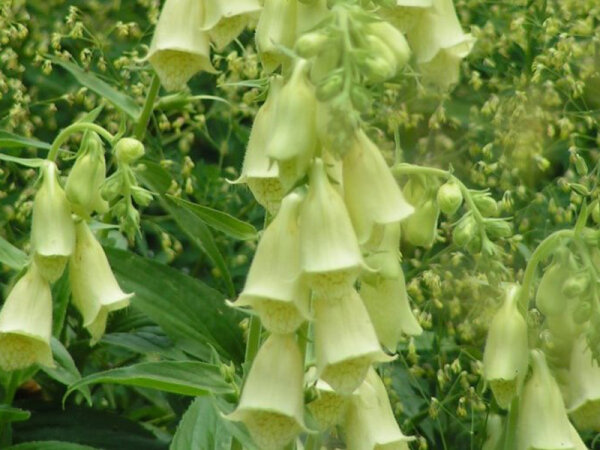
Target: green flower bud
<point>420,228</point>
<point>465,231</point>
<point>576,285</point>
<point>506,350</point>
<point>449,197</point>
<point>393,39</point>
<point>582,312</point>
<point>596,213</point>
<point>496,228</point>
<point>486,205</point>
<point>112,186</point>
<point>141,196</point>
<point>330,87</point>
<point>86,177</point>
<point>26,323</point>
<point>52,228</point>
<point>549,298</point>
<point>475,245</point>
<point>361,98</point>
<point>179,47</point>
<point>580,165</point>
<point>310,44</point>
<point>377,68</point>
<point>128,150</point>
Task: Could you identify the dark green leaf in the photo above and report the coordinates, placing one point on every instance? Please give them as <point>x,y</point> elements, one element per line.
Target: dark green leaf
<point>91,81</point>
<point>28,162</point>
<point>194,315</point>
<point>146,342</point>
<point>11,414</point>
<point>50,445</point>
<point>11,255</point>
<point>178,377</point>
<point>217,219</point>
<point>11,140</point>
<point>65,371</point>
<point>92,115</point>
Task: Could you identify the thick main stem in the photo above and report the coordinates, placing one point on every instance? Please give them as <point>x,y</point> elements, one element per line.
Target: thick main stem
<point>142,123</point>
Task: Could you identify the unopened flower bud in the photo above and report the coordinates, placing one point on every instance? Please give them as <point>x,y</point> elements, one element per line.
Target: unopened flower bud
<point>465,231</point>
<point>377,68</point>
<point>486,205</point>
<point>330,87</point>
<point>498,228</point>
<point>310,44</point>
<point>576,285</point>
<point>112,186</point>
<point>52,228</point>
<point>141,196</point>
<point>549,298</point>
<point>26,323</point>
<point>393,39</point>
<point>449,197</point>
<point>361,98</point>
<point>128,150</point>
<point>420,228</point>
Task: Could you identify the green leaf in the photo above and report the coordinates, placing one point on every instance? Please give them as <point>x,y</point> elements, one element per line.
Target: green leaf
<point>145,342</point>
<point>28,162</point>
<point>65,371</point>
<point>156,179</point>
<point>192,314</point>
<point>178,377</point>
<point>204,427</point>
<point>50,445</point>
<point>91,81</point>
<point>11,255</point>
<point>91,116</point>
<point>218,220</point>
<point>12,414</point>
<point>11,140</point>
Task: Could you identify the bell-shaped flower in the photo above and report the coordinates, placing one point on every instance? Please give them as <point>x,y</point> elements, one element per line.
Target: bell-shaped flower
<point>406,14</point>
<point>52,227</point>
<point>345,341</point>
<point>393,39</point>
<point>421,227</point>
<point>542,422</point>
<point>276,28</point>
<point>330,254</point>
<point>93,285</point>
<point>583,387</point>
<point>370,423</point>
<point>274,286</point>
<point>272,400</point>
<point>371,194</point>
<point>389,310</point>
<point>505,357</point>
<point>86,176</point>
<point>329,407</point>
<point>179,48</point>
<point>26,323</point>
<point>309,14</point>
<point>576,438</point>
<point>494,432</point>
<point>294,130</point>
<point>549,298</point>
<point>259,171</point>
<point>224,21</point>
<point>383,254</point>
<point>439,43</point>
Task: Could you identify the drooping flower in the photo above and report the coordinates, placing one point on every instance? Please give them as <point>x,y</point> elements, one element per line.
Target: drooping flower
<point>93,285</point>
<point>52,227</point>
<point>330,254</point>
<point>371,194</point>
<point>224,21</point>
<point>420,227</point>
<point>259,171</point>
<point>583,387</point>
<point>86,176</point>
<point>494,431</point>
<point>329,407</point>
<point>272,402</point>
<point>345,341</point>
<point>179,48</point>
<point>549,298</point>
<point>383,254</point>
<point>370,423</point>
<point>387,303</point>
<point>276,28</point>
<point>542,422</point>
<point>309,14</point>
<point>505,358</point>
<point>274,286</point>
<point>26,323</point>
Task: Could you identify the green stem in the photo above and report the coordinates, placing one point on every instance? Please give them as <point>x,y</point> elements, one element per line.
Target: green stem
<point>540,253</point>
<point>142,123</point>
<point>75,128</point>
<point>253,343</point>
<point>511,425</point>
<point>313,442</point>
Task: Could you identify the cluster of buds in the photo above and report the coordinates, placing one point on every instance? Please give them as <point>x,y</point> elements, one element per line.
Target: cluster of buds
<point>180,47</point>
<point>60,236</point>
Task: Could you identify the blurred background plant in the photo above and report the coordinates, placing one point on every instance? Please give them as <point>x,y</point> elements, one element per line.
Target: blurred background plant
<point>521,124</point>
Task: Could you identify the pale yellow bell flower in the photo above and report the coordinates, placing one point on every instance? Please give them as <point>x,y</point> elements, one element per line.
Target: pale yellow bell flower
<point>370,423</point>
<point>52,227</point>
<point>26,323</point>
<point>420,228</point>
<point>225,20</point>
<point>505,357</point>
<point>439,43</point>
<point>494,432</point>
<point>272,401</point>
<point>406,14</point>
<point>94,287</point>
<point>276,28</point>
<point>86,176</point>
<point>345,341</point>
<point>542,422</point>
<point>576,438</point>
<point>260,172</point>
<point>179,48</point>
<point>371,193</point>
<point>387,303</point>
<point>330,254</point>
<point>309,15</point>
<point>329,407</point>
<point>583,387</point>
<point>382,254</point>
<point>274,286</point>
